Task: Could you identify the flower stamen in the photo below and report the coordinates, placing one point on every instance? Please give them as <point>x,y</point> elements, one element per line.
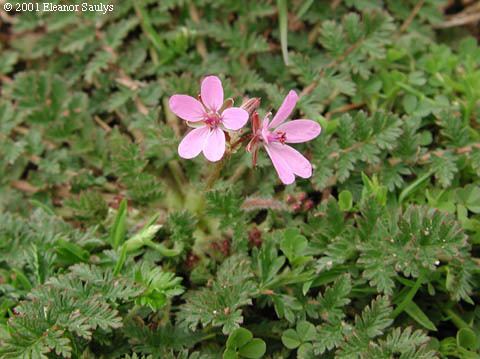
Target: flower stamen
<point>281,137</point>
<point>212,119</point>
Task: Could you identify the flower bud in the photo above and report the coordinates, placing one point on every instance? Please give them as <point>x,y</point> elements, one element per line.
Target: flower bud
<point>226,104</point>
<point>290,199</point>
<point>191,260</point>
<point>308,205</point>
<point>255,237</point>
<point>296,207</point>
<point>251,104</point>
<point>302,196</point>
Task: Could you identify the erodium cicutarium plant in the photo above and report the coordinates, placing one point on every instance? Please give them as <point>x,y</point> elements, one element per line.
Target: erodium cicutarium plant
<point>211,117</point>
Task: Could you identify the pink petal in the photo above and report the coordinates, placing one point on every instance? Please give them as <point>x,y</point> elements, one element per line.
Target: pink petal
<point>186,107</point>
<point>294,160</point>
<point>285,109</point>
<point>192,143</point>
<point>214,146</point>
<point>234,118</point>
<point>212,93</point>
<point>265,122</point>
<point>284,172</point>
<point>298,131</point>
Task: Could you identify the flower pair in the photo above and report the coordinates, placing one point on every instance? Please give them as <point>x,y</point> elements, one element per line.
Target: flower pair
<point>213,119</point>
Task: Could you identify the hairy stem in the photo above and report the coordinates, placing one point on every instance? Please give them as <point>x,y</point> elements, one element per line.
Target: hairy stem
<point>216,171</point>
<point>215,174</point>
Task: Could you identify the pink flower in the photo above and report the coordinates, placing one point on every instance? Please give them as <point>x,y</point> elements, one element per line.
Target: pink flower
<point>274,135</point>
<point>208,136</point>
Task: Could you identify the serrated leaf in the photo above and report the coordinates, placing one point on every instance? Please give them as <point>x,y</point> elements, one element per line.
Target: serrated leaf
<point>77,39</point>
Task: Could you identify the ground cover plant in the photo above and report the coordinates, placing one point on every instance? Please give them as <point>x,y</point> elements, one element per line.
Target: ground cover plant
<point>138,220</point>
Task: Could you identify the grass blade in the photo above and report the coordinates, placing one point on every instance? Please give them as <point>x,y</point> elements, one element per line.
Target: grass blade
<point>117,233</point>
<point>283,23</point>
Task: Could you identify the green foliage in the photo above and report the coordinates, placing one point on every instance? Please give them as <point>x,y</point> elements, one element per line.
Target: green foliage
<point>64,310</point>
<point>159,287</point>
<point>226,205</point>
<point>129,164</point>
<point>221,304</point>
<point>160,341</point>
<point>294,246</point>
<point>300,337</point>
<point>241,344</point>
<point>345,200</point>
<point>403,344</point>
<point>112,246</point>
<point>333,300</point>
<point>89,207</point>
<point>412,243</point>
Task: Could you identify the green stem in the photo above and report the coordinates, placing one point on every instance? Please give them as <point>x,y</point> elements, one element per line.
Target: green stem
<point>215,174</point>
<point>166,252</point>
<point>408,298</point>
<point>147,26</point>
<point>455,318</point>
<point>177,174</point>
<point>208,336</point>
<point>238,173</point>
<point>415,92</point>
<point>121,260</point>
<point>412,187</point>
<point>22,279</point>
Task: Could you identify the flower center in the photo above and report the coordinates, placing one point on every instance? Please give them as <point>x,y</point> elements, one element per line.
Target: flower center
<point>281,137</point>
<point>212,119</point>
<point>278,136</point>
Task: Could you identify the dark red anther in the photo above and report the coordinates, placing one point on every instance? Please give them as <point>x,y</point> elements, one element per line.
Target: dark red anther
<point>281,137</point>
